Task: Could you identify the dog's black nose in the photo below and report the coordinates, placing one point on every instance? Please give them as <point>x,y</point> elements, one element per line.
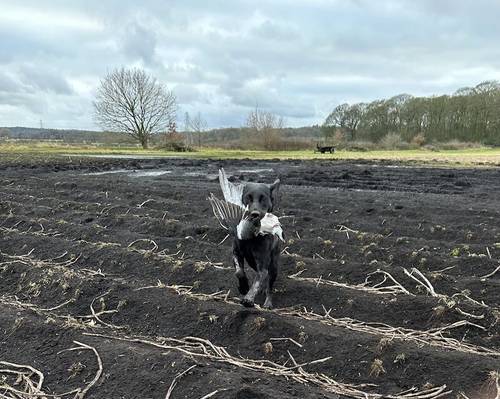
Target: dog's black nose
<point>255,215</point>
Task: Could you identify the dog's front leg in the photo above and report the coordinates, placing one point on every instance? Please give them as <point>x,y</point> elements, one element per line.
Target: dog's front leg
<point>239,267</point>
<point>258,283</point>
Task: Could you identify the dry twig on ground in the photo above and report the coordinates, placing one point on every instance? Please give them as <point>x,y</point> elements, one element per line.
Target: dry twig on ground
<point>432,337</point>
<point>177,378</point>
<point>199,347</point>
<point>378,288</point>
<point>81,392</point>
<point>96,315</point>
<point>495,376</point>
<point>287,339</point>
<point>29,260</point>
<point>142,251</point>
<point>490,274</point>
<point>419,277</point>
<point>30,380</point>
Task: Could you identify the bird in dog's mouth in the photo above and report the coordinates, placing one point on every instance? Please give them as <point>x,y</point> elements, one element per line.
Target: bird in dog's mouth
<point>235,217</point>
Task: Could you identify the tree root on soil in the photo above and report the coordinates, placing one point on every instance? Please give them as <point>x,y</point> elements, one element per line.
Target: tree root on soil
<point>29,381</point>
<point>202,348</point>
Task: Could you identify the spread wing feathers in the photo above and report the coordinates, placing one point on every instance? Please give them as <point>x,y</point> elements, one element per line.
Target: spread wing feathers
<point>233,193</point>
<point>227,213</point>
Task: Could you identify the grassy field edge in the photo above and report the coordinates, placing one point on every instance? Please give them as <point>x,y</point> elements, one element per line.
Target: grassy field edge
<point>465,157</point>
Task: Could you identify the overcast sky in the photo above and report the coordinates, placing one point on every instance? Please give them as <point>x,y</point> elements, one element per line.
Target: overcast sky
<point>221,58</point>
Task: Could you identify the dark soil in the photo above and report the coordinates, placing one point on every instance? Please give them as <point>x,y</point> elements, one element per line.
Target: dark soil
<point>116,233</point>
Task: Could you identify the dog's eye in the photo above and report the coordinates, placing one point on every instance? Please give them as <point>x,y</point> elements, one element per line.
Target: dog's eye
<point>250,198</point>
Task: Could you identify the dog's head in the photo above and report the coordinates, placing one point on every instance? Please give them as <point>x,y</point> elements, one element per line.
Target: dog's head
<point>260,198</point>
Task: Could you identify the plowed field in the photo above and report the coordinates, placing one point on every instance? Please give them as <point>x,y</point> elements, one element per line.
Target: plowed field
<point>387,284</point>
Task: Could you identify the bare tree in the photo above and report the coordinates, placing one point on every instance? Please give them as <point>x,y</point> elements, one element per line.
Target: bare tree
<point>187,129</point>
<point>266,125</point>
<point>132,102</point>
<point>197,125</point>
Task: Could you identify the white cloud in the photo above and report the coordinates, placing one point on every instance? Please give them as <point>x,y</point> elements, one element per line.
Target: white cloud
<point>51,19</point>
<point>297,58</point>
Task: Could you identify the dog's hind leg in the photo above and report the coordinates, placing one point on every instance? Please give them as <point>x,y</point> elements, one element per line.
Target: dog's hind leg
<point>240,274</point>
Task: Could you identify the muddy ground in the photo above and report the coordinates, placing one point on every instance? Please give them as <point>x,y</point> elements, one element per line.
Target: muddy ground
<point>128,250</point>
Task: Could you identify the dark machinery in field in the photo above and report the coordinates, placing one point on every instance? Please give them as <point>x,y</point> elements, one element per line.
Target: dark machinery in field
<point>323,149</point>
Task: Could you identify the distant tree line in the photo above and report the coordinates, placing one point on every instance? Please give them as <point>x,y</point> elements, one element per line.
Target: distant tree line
<point>66,135</point>
<point>469,114</point>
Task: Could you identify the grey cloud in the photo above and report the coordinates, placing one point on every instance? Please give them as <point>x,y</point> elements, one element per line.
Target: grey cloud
<point>43,80</point>
<point>271,30</point>
<point>139,42</point>
<point>7,83</point>
<point>298,59</point>
<point>30,102</point>
<point>190,94</point>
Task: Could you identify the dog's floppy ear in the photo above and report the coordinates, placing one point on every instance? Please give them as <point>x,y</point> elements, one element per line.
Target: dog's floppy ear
<point>275,190</point>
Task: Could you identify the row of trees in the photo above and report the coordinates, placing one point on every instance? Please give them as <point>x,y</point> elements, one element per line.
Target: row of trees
<point>470,114</point>
<point>132,102</point>
<point>262,130</point>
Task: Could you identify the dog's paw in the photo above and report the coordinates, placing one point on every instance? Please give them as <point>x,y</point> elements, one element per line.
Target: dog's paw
<point>243,286</point>
<point>248,303</point>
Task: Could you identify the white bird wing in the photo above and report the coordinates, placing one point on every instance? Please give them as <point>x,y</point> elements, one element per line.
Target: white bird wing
<point>270,224</point>
<point>228,214</point>
<point>233,193</point>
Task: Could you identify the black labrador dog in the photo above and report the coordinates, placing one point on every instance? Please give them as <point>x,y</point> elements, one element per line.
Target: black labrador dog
<point>262,251</point>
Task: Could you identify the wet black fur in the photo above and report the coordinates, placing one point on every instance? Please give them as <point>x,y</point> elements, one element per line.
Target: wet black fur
<point>262,252</point>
